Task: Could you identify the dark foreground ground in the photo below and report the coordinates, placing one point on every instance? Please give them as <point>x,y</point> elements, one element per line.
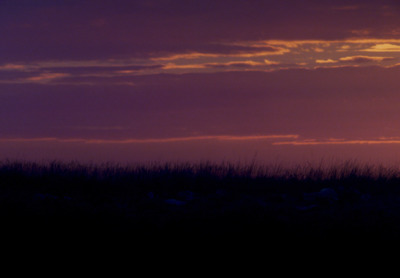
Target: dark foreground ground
<point>193,203</point>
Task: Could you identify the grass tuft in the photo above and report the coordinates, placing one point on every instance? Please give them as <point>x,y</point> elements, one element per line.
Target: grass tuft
<point>345,199</point>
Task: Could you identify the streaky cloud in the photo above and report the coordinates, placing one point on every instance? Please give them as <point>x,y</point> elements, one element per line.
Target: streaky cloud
<point>311,142</point>
<point>364,59</point>
<point>13,67</point>
<point>326,61</point>
<point>44,77</point>
<point>245,52</point>
<point>153,140</point>
<point>385,47</point>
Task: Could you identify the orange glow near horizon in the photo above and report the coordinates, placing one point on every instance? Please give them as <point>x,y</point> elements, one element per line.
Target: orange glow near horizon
<point>338,142</point>
<point>152,140</point>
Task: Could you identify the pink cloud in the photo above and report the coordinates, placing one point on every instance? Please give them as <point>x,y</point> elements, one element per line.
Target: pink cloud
<point>12,67</point>
<point>154,140</point>
<point>44,77</point>
<point>334,141</point>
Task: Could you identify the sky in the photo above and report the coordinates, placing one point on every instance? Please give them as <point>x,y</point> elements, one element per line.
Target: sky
<point>160,80</point>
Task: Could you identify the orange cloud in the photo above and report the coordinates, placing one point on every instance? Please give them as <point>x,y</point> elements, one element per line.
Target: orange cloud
<point>323,43</point>
<point>318,49</point>
<point>189,66</point>
<point>235,64</point>
<point>364,59</point>
<point>211,57</point>
<point>327,61</point>
<point>239,64</point>
<point>344,48</point>
<point>385,47</point>
<point>256,51</point>
<point>186,56</point>
<point>259,54</point>
<point>268,62</point>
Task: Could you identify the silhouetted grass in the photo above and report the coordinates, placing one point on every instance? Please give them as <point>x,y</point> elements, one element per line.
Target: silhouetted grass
<point>175,200</point>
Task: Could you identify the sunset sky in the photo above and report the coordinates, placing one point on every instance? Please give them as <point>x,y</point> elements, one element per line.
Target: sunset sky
<point>158,80</point>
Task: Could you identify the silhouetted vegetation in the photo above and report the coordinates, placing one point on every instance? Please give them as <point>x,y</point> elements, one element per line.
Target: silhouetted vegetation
<point>177,200</point>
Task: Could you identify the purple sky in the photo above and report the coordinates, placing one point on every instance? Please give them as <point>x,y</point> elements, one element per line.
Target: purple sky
<point>144,80</point>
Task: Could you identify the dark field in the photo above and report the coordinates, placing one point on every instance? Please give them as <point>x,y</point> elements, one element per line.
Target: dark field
<point>348,202</point>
